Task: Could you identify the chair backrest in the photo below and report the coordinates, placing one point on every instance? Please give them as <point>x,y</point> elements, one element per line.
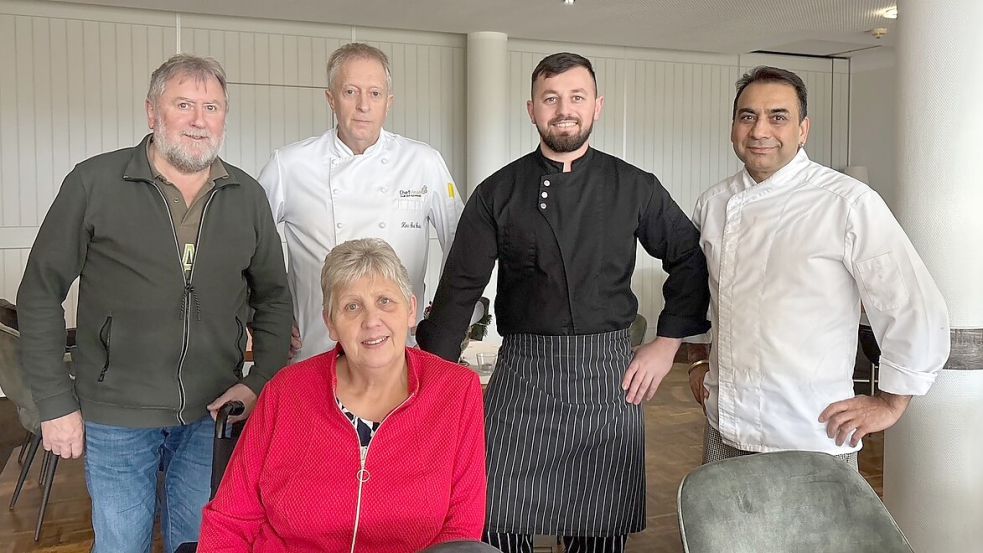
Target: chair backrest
<point>226,438</point>
<point>12,379</point>
<point>781,502</point>
<point>461,547</point>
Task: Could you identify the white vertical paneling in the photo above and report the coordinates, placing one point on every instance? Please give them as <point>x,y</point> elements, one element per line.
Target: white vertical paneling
<point>80,74</point>
<point>9,185</point>
<point>677,127</point>
<point>75,88</point>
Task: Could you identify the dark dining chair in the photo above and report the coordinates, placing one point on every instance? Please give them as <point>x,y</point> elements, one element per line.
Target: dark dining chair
<point>16,390</point>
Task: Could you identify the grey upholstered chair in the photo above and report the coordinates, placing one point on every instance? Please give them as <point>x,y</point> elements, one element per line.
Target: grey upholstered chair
<point>16,390</point>
<point>789,501</point>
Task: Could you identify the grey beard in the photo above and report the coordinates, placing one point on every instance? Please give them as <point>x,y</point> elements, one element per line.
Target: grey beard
<point>180,159</point>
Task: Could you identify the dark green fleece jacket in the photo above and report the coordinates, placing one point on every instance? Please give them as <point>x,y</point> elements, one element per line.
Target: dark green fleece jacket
<point>154,347</point>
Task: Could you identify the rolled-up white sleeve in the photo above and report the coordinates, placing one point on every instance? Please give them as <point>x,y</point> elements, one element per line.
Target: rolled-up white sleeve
<point>905,307</point>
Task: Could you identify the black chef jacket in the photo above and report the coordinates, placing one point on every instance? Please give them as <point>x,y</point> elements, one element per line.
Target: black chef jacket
<point>566,244</point>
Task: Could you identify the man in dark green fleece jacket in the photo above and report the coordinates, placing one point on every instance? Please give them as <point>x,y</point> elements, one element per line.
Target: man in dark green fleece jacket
<point>172,248</point>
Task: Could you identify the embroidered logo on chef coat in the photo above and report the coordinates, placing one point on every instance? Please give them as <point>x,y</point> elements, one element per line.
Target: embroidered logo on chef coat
<point>419,193</point>
<point>450,190</point>
<point>410,224</point>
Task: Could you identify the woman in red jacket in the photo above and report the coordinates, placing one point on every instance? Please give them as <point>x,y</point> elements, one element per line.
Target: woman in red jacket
<point>368,447</point>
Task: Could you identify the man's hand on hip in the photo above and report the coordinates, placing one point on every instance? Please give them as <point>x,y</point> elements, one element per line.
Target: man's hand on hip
<point>647,369</point>
<point>64,436</point>
<point>862,415</point>
<point>239,392</point>
<point>697,375</point>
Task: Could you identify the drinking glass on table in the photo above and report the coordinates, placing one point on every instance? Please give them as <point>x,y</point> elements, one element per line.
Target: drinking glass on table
<point>486,362</point>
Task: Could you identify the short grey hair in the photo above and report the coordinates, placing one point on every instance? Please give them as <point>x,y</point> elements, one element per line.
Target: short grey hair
<point>357,50</point>
<point>185,64</point>
<point>356,259</point>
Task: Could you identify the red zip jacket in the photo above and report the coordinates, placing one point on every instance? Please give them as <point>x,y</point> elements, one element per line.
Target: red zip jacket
<point>296,483</point>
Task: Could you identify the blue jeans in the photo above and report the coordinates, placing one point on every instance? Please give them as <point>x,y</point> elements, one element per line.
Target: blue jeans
<point>121,466</point>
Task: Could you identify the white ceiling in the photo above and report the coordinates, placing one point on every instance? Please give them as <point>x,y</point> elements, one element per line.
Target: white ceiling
<point>814,27</point>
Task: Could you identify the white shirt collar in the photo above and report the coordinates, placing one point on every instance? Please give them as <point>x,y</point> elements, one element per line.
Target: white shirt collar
<point>781,177</point>
<point>340,149</point>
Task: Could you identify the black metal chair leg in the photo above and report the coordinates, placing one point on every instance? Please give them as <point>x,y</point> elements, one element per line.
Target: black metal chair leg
<point>49,478</point>
<point>32,450</point>
<point>23,447</point>
<point>44,467</point>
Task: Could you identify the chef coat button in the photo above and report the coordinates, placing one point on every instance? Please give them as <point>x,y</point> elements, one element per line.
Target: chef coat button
<point>385,161</point>
<point>542,206</point>
<point>336,191</point>
<point>382,224</point>
<point>546,183</point>
<point>334,162</point>
<point>383,189</point>
<point>545,195</point>
<point>339,225</point>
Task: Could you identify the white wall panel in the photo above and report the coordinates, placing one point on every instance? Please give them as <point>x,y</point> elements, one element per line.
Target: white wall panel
<point>80,75</point>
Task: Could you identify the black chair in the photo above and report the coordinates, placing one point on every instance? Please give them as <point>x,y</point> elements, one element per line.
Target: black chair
<point>865,372</point>
<point>226,436</point>
<point>13,385</point>
<point>461,547</point>
<point>781,502</point>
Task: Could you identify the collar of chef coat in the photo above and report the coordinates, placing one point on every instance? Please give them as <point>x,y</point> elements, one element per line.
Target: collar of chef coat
<point>553,166</point>
<point>784,180</point>
<point>337,148</point>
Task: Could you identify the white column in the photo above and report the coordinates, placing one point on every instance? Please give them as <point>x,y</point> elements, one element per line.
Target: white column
<point>488,122</point>
<point>933,458</point>
<point>488,105</point>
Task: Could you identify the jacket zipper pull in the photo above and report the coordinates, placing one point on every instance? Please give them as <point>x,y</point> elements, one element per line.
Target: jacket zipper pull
<point>363,475</point>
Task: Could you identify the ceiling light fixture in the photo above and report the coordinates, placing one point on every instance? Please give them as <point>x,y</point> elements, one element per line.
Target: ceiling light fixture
<point>568,2</point>
<point>890,13</point>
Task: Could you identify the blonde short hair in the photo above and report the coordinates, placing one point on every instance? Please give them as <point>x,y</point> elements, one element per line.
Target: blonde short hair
<point>356,259</point>
<point>357,50</point>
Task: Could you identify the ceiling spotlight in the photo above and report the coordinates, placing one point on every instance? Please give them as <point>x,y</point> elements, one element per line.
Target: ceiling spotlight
<point>568,2</point>
<point>890,13</point>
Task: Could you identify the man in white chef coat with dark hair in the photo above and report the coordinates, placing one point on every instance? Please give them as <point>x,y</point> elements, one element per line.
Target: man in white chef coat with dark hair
<point>793,249</point>
<point>356,180</point>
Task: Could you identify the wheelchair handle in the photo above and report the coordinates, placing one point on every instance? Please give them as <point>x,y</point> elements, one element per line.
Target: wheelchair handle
<point>228,409</point>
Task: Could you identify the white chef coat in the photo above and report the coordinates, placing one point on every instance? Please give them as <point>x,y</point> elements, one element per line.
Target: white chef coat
<point>324,195</point>
<point>790,260</point>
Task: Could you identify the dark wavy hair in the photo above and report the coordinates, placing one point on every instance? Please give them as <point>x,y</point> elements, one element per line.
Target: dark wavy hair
<point>554,64</point>
<point>766,74</point>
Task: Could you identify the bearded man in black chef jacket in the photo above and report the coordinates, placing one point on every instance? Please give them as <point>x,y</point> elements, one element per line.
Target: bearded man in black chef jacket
<point>563,409</point>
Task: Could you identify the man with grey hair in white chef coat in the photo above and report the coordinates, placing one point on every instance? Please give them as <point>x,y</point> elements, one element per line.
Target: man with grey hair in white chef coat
<point>356,180</point>
<point>793,249</point>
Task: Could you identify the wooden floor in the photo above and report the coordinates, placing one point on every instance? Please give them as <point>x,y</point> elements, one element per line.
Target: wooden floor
<point>674,438</point>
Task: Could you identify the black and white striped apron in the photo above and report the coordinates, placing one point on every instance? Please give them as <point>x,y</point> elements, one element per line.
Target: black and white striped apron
<point>565,450</point>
